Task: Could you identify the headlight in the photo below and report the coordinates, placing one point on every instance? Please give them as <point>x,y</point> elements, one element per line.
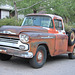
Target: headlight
<point>24,38</point>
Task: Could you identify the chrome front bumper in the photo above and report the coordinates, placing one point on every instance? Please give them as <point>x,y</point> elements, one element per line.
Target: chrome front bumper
<point>16,52</point>
<point>11,47</point>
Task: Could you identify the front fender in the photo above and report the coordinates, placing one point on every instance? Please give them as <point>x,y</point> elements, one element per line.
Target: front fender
<point>34,46</point>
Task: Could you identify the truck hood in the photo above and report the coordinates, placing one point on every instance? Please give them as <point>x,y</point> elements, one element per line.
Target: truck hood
<point>18,29</point>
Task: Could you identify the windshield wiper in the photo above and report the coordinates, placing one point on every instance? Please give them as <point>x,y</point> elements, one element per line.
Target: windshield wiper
<point>35,25</point>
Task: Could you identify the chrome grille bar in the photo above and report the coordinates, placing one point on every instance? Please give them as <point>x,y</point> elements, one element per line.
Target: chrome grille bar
<point>9,40</point>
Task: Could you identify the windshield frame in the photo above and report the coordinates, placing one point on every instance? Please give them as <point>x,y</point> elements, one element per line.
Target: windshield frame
<point>38,16</point>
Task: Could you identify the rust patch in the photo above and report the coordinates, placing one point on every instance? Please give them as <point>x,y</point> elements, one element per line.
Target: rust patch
<point>37,43</point>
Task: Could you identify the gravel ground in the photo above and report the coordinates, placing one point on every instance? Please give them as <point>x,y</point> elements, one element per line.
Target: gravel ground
<point>59,65</point>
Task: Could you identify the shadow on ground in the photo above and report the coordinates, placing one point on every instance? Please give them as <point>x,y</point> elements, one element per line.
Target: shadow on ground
<point>57,58</point>
<point>21,62</point>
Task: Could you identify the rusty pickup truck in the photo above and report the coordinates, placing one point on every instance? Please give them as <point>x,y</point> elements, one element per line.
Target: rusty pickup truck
<point>39,35</point>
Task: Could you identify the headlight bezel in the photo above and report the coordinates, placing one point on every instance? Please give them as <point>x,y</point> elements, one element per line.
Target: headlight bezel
<point>24,38</point>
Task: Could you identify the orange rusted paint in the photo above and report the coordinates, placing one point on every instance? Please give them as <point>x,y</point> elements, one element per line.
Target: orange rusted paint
<point>55,40</point>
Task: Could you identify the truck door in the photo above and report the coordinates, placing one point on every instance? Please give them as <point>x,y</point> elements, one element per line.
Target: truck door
<point>61,38</point>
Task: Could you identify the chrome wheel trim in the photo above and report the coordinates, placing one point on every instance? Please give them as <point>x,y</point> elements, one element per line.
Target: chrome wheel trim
<point>72,36</point>
<point>40,56</point>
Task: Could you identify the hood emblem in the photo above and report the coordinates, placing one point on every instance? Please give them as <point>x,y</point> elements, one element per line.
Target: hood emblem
<point>7,32</point>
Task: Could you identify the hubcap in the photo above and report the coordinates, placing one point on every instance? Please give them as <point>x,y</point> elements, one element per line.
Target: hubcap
<point>39,56</point>
<point>72,36</point>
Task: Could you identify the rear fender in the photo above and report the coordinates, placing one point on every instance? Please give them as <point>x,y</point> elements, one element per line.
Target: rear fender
<point>70,48</point>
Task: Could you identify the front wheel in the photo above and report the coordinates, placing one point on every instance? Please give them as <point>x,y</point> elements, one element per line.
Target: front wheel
<point>5,57</point>
<point>40,57</point>
<point>72,55</point>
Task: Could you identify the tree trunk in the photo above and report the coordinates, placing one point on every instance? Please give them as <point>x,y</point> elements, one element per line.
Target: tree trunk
<point>66,20</point>
<point>16,14</point>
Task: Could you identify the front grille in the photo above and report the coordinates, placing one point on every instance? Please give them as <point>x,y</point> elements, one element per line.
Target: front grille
<point>9,40</point>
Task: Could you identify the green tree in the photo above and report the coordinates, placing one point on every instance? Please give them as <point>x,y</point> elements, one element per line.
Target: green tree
<point>64,8</point>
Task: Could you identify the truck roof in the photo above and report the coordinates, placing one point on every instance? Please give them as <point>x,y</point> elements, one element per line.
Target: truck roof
<point>50,15</point>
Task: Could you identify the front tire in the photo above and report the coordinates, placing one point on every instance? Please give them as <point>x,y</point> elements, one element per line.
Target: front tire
<point>5,57</point>
<point>40,57</point>
<point>72,55</point>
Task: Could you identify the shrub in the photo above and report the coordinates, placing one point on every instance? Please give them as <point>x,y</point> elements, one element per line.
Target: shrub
<point>68,27</point>
<point>10,21</point>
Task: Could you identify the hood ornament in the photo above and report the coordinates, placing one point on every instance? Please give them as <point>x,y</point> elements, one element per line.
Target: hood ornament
<point>7,32</point>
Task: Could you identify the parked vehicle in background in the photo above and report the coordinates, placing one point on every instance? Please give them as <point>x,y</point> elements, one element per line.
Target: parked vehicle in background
<point>39,35</point>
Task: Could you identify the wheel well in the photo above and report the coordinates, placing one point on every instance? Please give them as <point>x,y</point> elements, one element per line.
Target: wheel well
<point>47,49</point>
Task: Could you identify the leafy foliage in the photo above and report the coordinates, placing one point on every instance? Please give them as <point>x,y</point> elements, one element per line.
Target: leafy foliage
<point>64,8</point>
<point>10,21</point>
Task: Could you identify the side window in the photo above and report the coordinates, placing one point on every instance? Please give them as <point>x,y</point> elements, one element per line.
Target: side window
<point>51,24</point>
<point>58,24</point>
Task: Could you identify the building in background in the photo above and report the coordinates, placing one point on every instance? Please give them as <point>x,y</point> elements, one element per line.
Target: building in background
<point>21,16</point>
<point>6,11</point>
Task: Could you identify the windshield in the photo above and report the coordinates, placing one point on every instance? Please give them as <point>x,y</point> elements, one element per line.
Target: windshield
<point>43,21</point>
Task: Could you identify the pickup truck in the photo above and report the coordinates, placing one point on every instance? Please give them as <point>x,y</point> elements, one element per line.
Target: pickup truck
<point>39,35</point>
